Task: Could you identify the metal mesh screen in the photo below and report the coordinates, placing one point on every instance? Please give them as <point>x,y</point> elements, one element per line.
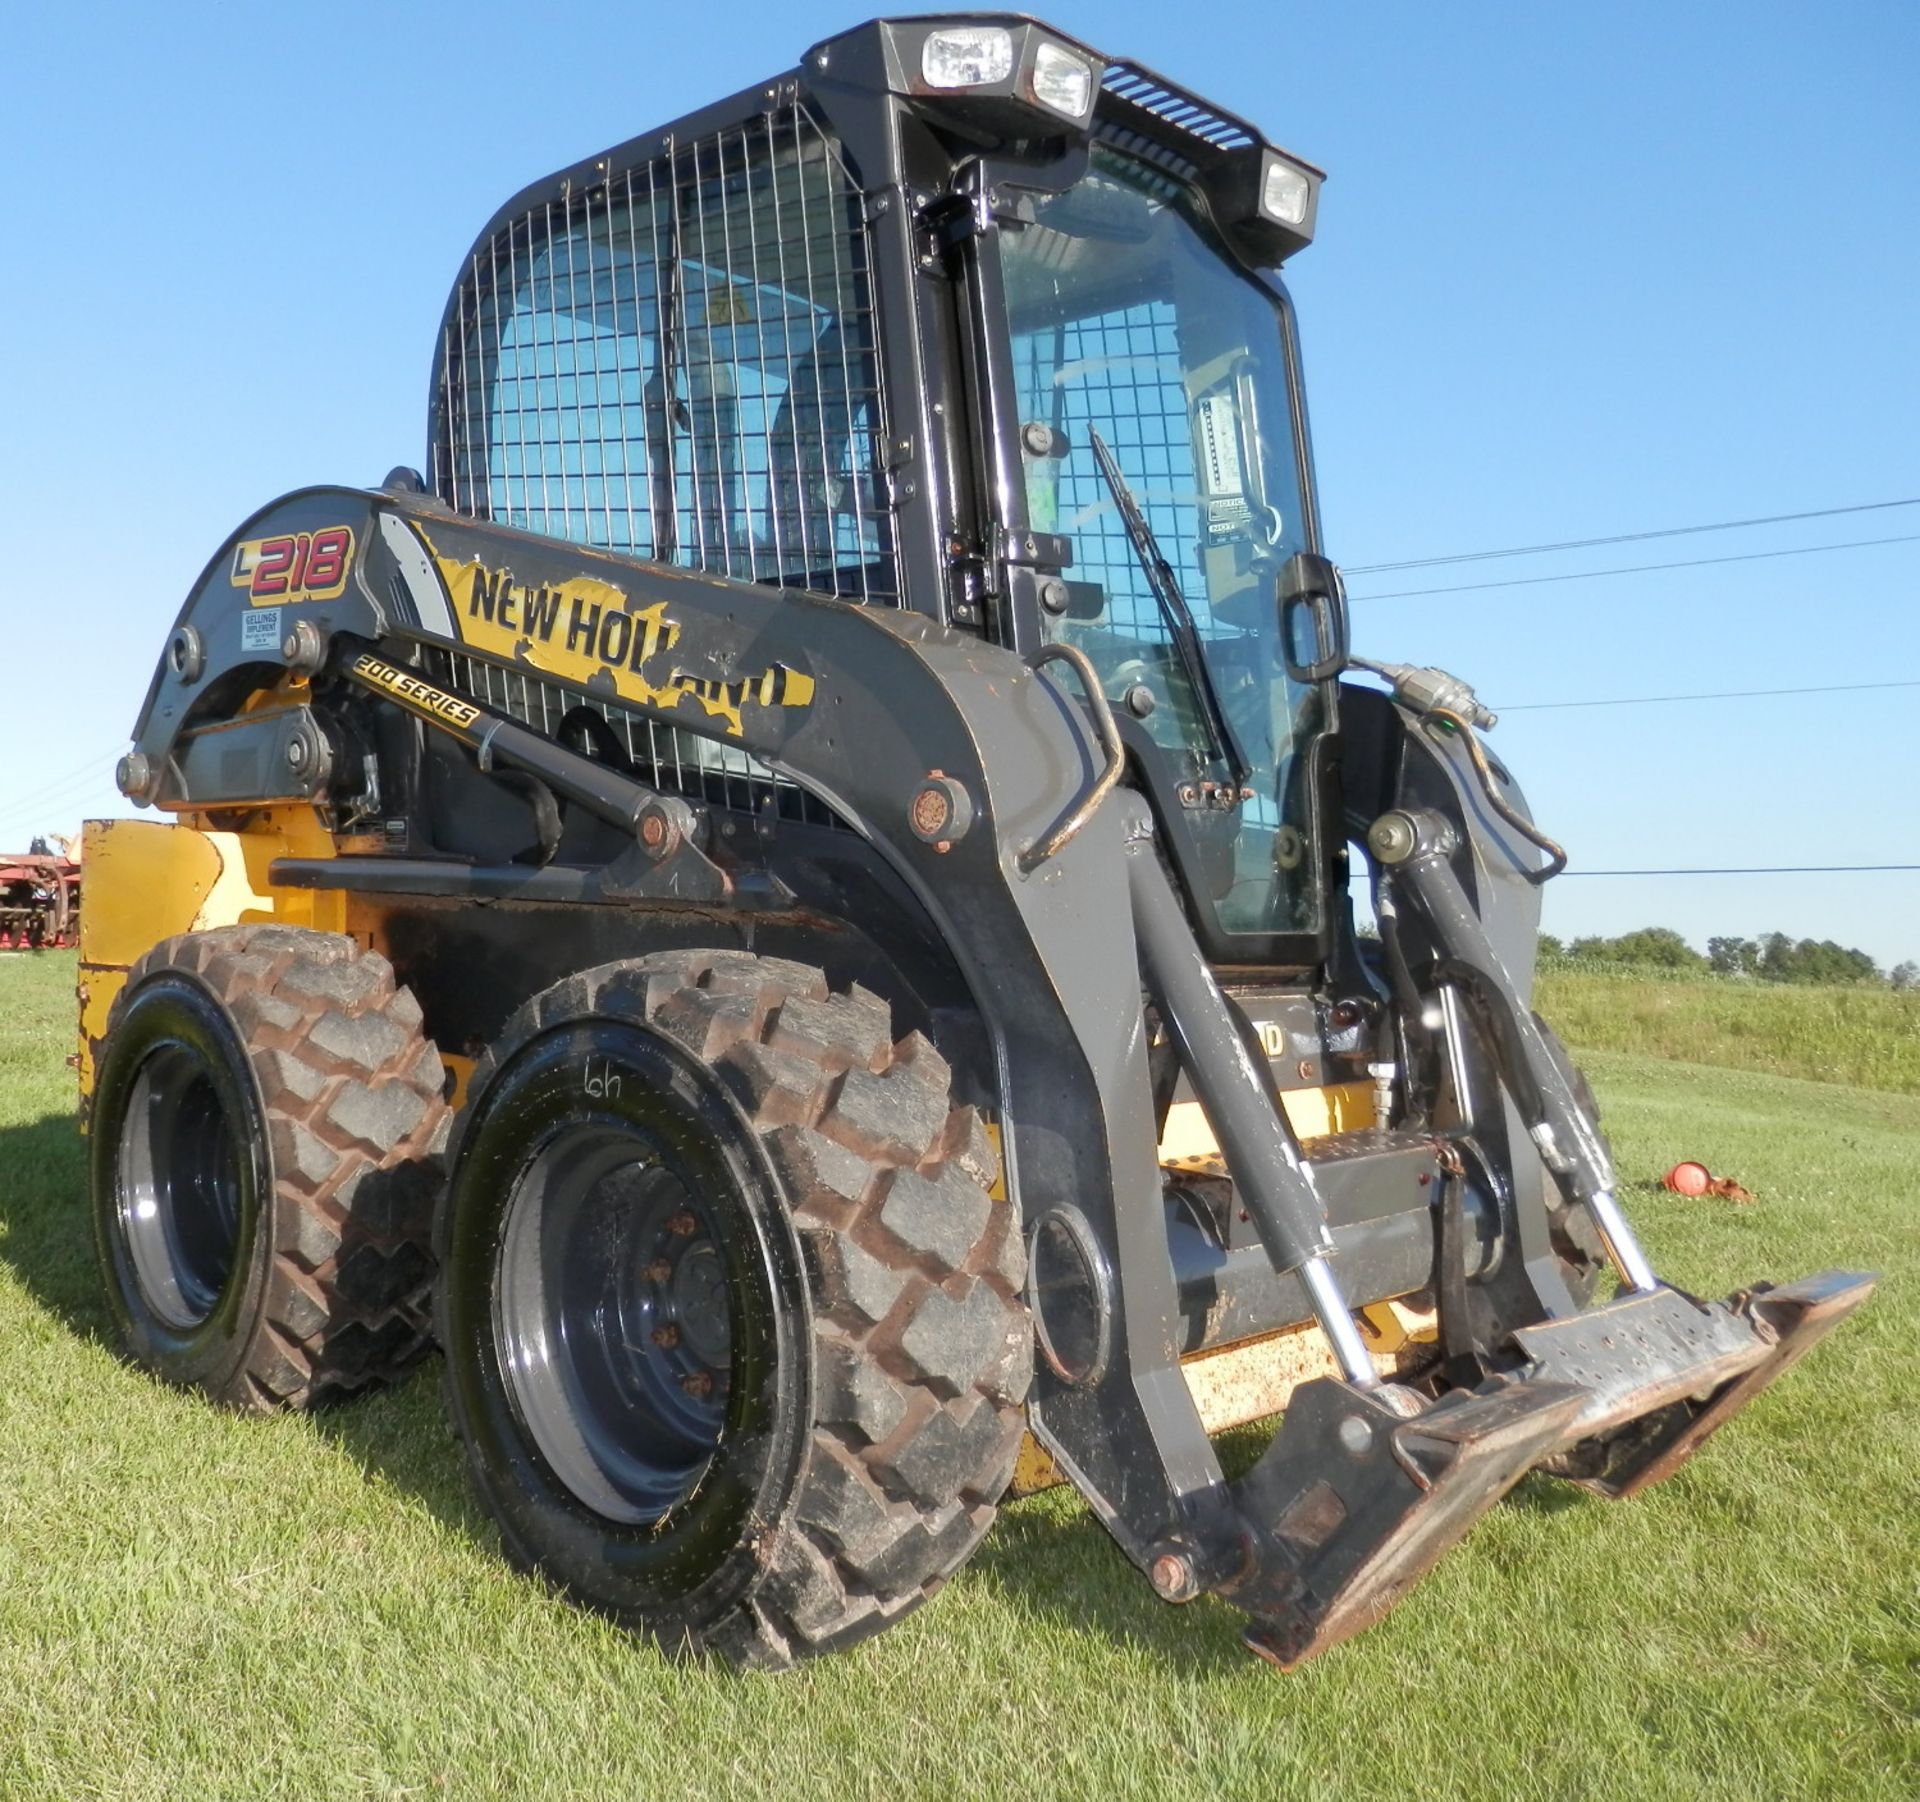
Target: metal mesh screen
<point>681,365</point>
<point>1119,373</point>
<point>665,757</point>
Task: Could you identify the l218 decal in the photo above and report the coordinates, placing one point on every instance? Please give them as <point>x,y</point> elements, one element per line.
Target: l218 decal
<point>294,566</point>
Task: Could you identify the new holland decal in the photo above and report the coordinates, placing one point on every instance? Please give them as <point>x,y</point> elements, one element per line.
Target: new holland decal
<point>585,631</point>
<point>294,566</point>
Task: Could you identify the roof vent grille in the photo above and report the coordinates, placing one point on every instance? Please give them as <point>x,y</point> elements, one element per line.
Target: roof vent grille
<point>1142,88</point>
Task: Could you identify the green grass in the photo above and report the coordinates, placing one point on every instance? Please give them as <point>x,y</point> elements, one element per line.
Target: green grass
<point>193,1605</point>
<point>1864,1036</point>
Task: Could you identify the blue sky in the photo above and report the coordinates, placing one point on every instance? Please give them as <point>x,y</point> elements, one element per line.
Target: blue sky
<point>1579,271</point>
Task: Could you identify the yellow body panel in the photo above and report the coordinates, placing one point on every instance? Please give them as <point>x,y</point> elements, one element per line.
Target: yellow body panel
<point>1235,1384</point>
<point>148,880</point>
<point>1343,1107</point>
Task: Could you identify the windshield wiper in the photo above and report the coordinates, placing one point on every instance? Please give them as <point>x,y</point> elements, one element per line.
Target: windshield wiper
<point>1173,609</point>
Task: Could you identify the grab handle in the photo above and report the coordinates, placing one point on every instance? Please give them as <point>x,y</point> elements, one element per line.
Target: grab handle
<point>1108,733</point>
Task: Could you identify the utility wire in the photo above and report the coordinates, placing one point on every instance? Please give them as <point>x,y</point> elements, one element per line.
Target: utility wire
<point>1637,569</point>
<point>1788,869</point>
<point>1585,544</point>
<point>1724,694</point>
<point>54,802</point>
<point>90,770</point>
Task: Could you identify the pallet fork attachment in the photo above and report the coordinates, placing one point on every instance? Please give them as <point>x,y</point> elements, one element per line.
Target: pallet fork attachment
<point>1366,1485</point>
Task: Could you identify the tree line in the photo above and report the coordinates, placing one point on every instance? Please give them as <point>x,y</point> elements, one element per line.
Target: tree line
<point>1772,957</point>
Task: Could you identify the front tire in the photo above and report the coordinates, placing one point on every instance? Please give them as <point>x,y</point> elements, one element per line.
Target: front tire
<point>733,1326</point>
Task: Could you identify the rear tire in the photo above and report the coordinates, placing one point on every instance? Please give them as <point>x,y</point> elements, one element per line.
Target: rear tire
<point>266,1129</point>
<point>733,1329</point>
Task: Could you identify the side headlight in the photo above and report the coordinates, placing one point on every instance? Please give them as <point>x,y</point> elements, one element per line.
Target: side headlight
<point>1062,80</point>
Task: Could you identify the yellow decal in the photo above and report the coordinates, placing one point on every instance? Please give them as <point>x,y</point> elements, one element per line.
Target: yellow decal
<point>587,632</point>
<point>410,691</point>
<point>293,566</point>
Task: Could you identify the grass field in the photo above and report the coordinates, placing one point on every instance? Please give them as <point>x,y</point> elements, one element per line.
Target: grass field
<point>193,1605</point>
<point>1869,1037</point>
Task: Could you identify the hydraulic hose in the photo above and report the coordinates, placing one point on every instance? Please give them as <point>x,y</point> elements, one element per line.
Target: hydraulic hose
<point>1556,857</point>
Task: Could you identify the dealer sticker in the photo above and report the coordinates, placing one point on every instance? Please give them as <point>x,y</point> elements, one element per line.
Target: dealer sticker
<point>260,630</point>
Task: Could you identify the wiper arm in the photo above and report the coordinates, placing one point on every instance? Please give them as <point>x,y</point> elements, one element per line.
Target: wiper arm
<point>1173,609</point>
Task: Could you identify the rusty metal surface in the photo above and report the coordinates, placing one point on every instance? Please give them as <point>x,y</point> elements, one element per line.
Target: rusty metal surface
<point>1353,1503</point>
<point>1785,1324</point>
<point>1256,1378</point>
<point>1639,1353</point>
<point>39,901</point>
<point>1362,1492</point>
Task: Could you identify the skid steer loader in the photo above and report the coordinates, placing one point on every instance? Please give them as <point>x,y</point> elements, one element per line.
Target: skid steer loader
<point>788,904</point>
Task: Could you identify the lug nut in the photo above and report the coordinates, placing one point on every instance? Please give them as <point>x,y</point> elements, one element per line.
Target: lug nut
<point>666,1337</point>
<point>681,1224</point>
<point>659,1271</point>
<point>698,1384</point>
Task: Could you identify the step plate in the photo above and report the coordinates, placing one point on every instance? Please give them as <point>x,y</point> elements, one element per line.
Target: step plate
<point>1785,1323</point>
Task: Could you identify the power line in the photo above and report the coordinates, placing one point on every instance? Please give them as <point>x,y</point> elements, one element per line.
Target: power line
<point>1584,544</point>
<point>1789,869</point>
<point>1637,569</point>
<point>99,772</point>
<point>90,770</point>
<point>1724,694</point>
<point>26,812</point>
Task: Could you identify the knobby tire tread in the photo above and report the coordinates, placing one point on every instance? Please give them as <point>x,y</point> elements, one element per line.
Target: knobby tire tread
<point>353,1098</point>
<point>922,1345</point>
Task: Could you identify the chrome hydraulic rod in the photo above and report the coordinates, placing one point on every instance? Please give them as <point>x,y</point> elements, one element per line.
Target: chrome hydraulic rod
<point>1416,847</point>
<point>1330,1309</point>
<point>1237,1094</point>
<point>1635,1272</point>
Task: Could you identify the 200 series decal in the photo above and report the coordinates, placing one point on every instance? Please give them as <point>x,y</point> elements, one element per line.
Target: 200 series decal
<point>411,692</point>
<point>294,566</point>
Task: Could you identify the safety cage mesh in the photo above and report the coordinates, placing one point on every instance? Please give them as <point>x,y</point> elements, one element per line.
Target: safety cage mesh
<point>665,757</point>
<point>680,364</point>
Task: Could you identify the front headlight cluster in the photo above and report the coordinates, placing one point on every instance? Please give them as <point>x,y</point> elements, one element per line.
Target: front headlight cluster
<point>1017,61</point>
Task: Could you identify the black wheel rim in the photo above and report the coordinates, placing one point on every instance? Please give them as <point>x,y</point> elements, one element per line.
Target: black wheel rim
<point>612,1304</point>
<point>180,1175</point>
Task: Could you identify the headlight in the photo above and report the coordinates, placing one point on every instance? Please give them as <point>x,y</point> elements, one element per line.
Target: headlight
<point>967,56</point>
<point>1285,193</point>
<point>1062,80</point>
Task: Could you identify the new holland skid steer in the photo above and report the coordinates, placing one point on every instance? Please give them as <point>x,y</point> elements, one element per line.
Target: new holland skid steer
<point>788,904</point>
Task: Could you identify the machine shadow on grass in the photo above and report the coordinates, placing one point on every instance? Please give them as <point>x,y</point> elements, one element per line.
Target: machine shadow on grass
<point>1047,1555</point>
<point>44,1232</point>
<point>1055,1561</point>
<point>46,1239</point>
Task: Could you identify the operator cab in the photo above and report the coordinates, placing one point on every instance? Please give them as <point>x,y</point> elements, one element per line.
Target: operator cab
<point>961,318</point>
